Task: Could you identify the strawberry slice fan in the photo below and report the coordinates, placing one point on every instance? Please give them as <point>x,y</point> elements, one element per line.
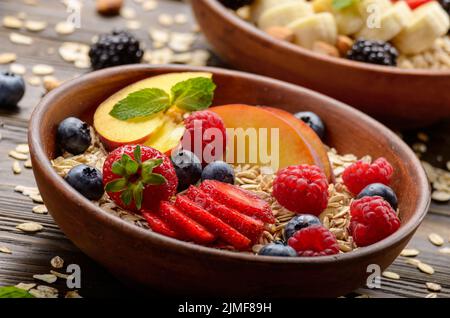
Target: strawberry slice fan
<point>214,214</point>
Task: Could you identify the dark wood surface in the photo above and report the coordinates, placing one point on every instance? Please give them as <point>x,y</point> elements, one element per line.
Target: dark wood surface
<point>32,252</point>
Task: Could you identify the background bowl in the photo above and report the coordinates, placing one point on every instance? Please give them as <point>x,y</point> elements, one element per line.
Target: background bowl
<point>140,256</point>
<point>407,98</point>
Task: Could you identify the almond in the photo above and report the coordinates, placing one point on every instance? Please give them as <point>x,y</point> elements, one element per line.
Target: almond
<point>109,7</point>
<point>325,48</point>
<point>281,33</point>
<point>344,44</point>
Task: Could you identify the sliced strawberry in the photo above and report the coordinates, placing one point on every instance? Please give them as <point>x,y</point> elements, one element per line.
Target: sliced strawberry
<point>239,199</point>
<point>212,223</point>
<point>183,224</point>
<point>244,224</point>
<point>158,225</point>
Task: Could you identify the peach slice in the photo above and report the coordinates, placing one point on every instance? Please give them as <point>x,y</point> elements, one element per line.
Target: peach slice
<point>288,145</point>
<point>309,135</point>
<point>115,132</point>
<point>167,138</point>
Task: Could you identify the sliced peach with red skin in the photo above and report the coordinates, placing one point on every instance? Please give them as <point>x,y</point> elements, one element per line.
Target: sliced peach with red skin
<point>293,148</point>
<point>314,140</point>
<point>114,132</point>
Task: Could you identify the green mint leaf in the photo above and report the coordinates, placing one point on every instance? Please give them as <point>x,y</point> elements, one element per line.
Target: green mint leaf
<point>137,154</point>
<point>117,168</point>
<point>142,103</point>
<point>14,292</point>
<point>154,179</point>
<point>117,185</point>
<point>138,190</point>
<point>127,196</point>
<point>341,4</point>
<point>193,94</point>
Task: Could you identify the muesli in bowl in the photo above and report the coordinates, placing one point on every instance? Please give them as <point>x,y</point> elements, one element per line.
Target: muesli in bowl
<point>411,34</point>
<point>237,177</point>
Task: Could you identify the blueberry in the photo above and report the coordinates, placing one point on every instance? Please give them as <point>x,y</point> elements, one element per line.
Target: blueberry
<point>299,222</point>
<point>274,249</point>
<point>73,135</point>
<point>313,121</point>
<point>12,89</point>
<point>86,180</point>
<point>220,171</point>
<point>188,168</point>
<point>379,189</point>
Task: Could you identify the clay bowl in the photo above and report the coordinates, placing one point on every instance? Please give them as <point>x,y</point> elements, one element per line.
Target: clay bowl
<point>405,98</point>
<point>139,256</point>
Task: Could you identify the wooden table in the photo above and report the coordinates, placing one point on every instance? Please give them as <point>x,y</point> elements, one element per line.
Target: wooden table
<point>31,253</point>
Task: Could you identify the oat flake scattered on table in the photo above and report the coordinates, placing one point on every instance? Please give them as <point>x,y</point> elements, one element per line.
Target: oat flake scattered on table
<point>410,252</point>
<point>6,58</point>
<point>18,38</point>
<point>436,239</point>
<point>48,278</point>
<point>25,286</point>
<point>30,227</point>
<point>5,250</point>
<point>433,286</point>
<point>391,275</point>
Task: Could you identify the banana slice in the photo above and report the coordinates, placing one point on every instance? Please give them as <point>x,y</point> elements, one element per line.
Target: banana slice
<point>318,27</point>
<point>260,6</point>
<point>429,22</point>
<point>391,23</point>
<point>283,14</point>
<point>349,20</point>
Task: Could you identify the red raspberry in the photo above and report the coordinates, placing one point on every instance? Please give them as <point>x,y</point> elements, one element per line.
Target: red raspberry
<point>133,183</point>
<point>372,219</point>
<point>314,240</point>
<point>301,189</point>
<point>360,174</point>
<point>205,126</point>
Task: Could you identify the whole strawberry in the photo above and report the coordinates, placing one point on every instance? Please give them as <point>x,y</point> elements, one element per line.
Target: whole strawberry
<point>205,136</point>
<point>360,174</point>
<point>138,177</point>
<point>301,189</point>
<point>372,219</point>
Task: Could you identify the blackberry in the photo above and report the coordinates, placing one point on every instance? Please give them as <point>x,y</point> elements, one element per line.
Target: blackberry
<point>374,52</point>
<point>235,4</point>
<point>117,48</point>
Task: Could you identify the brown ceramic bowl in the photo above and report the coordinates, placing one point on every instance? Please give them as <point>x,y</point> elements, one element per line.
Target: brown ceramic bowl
<point>393,95</point>
<point>141,256</point>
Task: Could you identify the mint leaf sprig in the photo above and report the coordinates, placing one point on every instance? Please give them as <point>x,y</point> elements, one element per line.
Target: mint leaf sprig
<point>14,292</point>
<point>191,95</point>
<point>342,4</point>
